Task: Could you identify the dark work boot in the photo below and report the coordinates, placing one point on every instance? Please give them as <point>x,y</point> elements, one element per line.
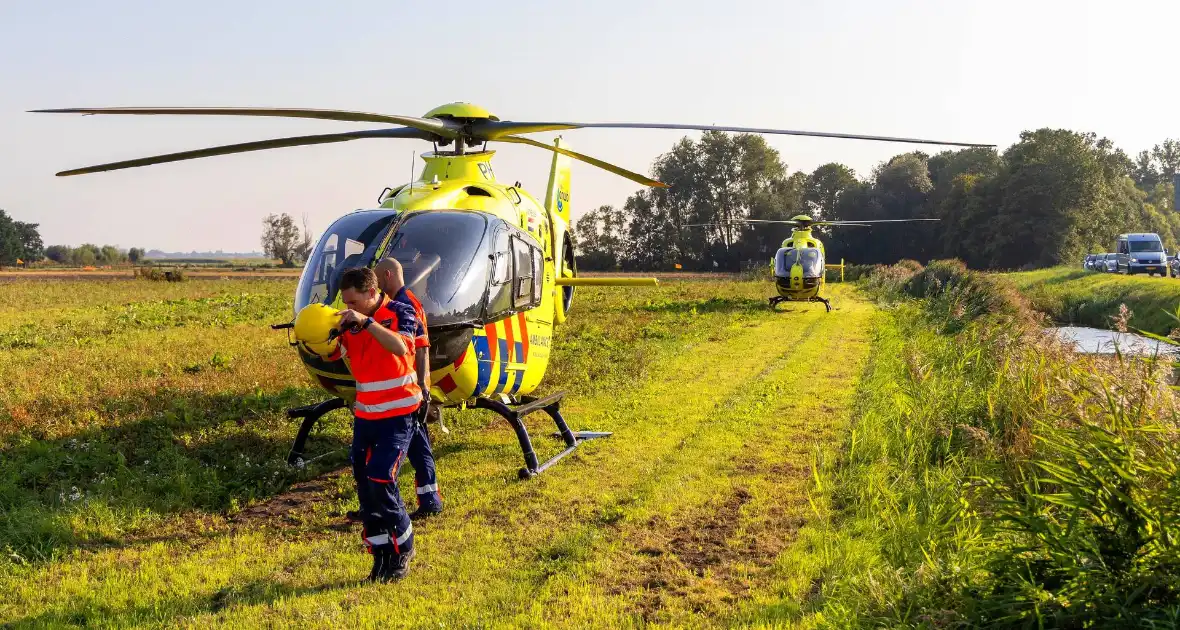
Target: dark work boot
<point>425,512</point>
<point>353,516</point>
<point>399,565</point>
<point>382,563</point>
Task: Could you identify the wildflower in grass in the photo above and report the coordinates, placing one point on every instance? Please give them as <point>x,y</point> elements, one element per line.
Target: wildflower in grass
<point>1120,320</point>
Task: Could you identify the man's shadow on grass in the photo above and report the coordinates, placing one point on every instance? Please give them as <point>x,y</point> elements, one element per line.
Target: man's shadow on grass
<point>251,593</point>
<point>153,453</point>
<point>156,454</point>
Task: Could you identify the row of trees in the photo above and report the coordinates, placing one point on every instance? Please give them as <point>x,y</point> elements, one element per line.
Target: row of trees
<point>21,241</point>
<point>90,254</point>
<point>1048,199</point>
<point>18,241</point>
<point>281,239</point>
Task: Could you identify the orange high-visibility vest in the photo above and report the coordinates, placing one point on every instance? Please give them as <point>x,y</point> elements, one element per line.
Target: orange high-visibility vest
<point>386,384</point>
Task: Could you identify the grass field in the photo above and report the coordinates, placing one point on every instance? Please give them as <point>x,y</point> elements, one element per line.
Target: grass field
<point>1088,298</point>
<point>143,483</point>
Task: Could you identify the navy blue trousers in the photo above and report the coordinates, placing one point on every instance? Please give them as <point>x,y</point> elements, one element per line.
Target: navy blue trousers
<point>378,449</point>
<point>422,459</point>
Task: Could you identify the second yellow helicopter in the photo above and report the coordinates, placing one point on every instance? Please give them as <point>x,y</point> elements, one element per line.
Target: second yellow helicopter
<point>799,265</point>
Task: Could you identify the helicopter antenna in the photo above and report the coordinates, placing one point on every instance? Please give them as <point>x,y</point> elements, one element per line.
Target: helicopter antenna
<point>413,158</point>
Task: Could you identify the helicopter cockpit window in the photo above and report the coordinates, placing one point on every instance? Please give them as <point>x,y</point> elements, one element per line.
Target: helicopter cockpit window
<point>349,242</point>
<point>445,258</point>
<point>809,257</point>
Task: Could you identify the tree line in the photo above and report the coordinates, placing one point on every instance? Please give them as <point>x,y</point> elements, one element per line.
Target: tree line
<point>1048,199</point>
<point>89,254</point>
<point>20,241</point>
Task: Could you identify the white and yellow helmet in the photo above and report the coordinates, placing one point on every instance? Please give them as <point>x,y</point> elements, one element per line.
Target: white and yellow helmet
<point>317,329</point>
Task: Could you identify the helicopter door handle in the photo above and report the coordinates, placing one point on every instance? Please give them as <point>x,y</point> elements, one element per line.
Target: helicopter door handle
<point>515,194</point>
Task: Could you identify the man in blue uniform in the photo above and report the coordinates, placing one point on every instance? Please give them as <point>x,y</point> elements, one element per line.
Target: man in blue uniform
<point>391,279</point>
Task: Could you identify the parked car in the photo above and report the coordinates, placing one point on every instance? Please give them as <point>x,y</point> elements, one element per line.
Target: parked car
<point>1141,252</point>
<point>1088,263</point>
<point>1174,265</point>
<point>1110,263</point>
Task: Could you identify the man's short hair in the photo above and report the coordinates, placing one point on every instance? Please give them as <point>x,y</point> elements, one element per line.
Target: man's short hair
<point>359,278</point>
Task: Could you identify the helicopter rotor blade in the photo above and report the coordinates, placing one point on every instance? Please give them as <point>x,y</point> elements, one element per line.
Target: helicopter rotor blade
<point>617,170</point>
<point>496,130</point>
<point>444,128</point>
<point>738,222</point>
<point>277,143</point>
<point>871,222</point>
<point>747,222</point>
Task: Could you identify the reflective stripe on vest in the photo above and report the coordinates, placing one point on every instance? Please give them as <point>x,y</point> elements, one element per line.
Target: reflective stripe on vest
<point>390,405</point>
<point>378,386</point>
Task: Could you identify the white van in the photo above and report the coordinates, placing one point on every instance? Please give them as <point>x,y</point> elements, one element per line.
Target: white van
<point>1141,252</point>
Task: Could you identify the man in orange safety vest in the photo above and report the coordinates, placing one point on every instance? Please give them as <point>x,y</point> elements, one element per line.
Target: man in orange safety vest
<point>377,336</point>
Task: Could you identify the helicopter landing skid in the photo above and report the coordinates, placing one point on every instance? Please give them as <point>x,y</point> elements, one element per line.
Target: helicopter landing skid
<point>778,298</point>
<point>310,414</point>
<point>514,413</point>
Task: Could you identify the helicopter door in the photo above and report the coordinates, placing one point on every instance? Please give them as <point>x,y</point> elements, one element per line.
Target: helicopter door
<point>517,274</point>
<point>527,259</point>
<point>500,291</point>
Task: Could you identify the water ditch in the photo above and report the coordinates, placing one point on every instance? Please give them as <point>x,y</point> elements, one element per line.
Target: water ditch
<point>1107,342</point>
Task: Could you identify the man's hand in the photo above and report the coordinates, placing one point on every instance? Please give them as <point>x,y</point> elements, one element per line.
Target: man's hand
<point>423,409</point>
<point>350,318</point>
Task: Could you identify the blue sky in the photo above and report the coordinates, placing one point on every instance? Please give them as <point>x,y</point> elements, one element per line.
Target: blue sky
<point>954,70</point>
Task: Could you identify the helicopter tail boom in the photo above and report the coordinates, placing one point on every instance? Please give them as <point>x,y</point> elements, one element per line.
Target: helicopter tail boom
<point>607,282</point>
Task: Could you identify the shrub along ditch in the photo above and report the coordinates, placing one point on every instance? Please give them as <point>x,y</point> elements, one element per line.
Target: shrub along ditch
<point>992,476</point>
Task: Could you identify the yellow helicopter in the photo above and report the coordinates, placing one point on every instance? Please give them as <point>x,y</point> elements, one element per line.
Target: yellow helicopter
<point>799,265</point>
<point>494,268</point>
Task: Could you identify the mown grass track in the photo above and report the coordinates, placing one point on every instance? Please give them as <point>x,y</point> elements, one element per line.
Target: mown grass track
<point>681,518</point>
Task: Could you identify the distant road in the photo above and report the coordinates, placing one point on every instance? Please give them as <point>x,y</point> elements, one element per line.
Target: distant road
<point>129,273</point>
<point>194,272</point>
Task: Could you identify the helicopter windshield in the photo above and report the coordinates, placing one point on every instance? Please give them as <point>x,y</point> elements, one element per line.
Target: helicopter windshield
<point>809,257</point>
<point>349,242</point>
<point>445,256</point>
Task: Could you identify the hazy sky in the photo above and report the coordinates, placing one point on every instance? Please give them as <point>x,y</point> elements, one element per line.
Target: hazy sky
<point>947,69</point>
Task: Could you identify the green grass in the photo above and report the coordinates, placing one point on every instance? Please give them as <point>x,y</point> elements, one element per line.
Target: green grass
<point>1088,298</point>
<point>142,481</point>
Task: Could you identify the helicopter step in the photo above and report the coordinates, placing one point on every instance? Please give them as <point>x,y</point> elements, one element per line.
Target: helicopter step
<point>515,412</point>
<point>310,414</point>
<point>777,299</point>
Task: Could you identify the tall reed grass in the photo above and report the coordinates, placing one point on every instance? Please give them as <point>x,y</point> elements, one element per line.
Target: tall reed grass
<point>995,478</point>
